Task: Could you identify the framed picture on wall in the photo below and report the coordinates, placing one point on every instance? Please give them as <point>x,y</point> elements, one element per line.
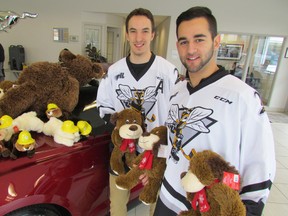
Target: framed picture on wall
<point>230,51</point>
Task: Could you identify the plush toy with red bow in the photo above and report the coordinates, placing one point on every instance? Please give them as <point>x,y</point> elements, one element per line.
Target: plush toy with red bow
<point>211,184</point>
<point>149,163</point>
<point>125,137</point>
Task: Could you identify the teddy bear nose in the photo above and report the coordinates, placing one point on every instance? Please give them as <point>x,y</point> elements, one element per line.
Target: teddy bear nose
<point>182,174</point>
<point>133,128</point>
<point>145,134</point>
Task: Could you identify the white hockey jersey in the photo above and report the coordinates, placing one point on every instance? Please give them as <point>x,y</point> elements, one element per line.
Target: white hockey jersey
<point>150,94</point>
<point>225,115</point>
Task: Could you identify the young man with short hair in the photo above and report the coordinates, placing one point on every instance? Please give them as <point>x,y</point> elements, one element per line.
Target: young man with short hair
<point>142,81</point>
<point>214,110</point>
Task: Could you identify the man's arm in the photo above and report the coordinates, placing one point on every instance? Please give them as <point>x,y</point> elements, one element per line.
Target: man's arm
<point>257,159</point>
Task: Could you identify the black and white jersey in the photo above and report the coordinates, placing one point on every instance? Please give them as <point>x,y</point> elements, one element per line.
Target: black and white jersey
<point>148,93</point>
<point>225,115</point>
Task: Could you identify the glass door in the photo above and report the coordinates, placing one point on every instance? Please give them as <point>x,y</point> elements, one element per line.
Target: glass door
<point>253,59</point>
<point>263,64</point>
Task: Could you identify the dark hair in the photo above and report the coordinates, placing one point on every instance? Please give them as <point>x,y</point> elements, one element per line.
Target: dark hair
<point>197,12</point>
<point>140,12</point>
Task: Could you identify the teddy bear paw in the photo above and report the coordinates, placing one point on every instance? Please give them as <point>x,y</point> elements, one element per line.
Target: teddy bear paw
<point>145,203</point>
<point>115,172</point>
<point>147,200</point>
<point>120,188</point>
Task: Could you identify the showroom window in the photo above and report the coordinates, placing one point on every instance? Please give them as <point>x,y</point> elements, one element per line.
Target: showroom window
<point>254,59</point>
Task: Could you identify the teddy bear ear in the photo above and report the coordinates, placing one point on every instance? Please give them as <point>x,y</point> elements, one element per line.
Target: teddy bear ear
<point>218,165</point>
<point>98,69</point>
<point>65,56</point>
<point>113,118</point>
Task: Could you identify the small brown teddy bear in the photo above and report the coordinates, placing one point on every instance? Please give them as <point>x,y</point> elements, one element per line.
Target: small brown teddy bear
<point>206,184</point>
<point>24,145</point>
<point>149,163</point>
<point>124,137</point>
<point>42,83</point>
<point>4,86</point>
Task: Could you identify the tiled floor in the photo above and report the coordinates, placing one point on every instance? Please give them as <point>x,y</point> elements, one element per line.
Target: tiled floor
<point>278,200</point>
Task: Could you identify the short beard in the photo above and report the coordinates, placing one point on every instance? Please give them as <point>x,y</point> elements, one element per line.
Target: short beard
<point>201,65</point>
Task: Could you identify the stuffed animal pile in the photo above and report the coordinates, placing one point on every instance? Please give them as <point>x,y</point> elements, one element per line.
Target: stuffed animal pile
<point>15,136</point>
<point>41,100</point>
<point>42,83</point>
<point>124,137</point>
<point>149,163</point>
<point>63,132</point>
<point>206,184</point>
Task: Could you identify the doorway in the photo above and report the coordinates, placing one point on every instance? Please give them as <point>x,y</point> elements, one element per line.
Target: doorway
<point>113,44</point>
<point>256,60</point>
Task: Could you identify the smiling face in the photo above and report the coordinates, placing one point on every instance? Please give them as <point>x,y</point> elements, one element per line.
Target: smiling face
<point>139,34</point>
<point>196,47</point>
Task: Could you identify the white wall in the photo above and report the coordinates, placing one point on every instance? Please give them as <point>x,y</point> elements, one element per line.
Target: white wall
<point>262,17</point>
<point>161,38</point>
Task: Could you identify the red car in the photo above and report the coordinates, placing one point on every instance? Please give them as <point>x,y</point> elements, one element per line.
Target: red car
<point>60,180</point>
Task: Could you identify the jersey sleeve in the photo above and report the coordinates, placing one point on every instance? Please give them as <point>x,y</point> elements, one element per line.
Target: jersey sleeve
<point>257,159</point>
<point>104,100</point>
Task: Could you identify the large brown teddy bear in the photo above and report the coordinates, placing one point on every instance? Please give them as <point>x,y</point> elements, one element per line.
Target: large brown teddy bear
<point>149,163</point>
<point>42,83</point>
<point>206,184</point>
<point>124,137</point>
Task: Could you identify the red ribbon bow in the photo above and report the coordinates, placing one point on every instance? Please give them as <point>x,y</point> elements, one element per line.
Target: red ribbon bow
<point>200,199</point>
<point>147,160</point>
<point>128,143</point>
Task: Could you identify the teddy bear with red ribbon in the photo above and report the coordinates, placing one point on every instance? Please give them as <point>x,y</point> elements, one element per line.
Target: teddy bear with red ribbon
<point>127,130</point>
<point>212,186</point>
<point>149,163</point>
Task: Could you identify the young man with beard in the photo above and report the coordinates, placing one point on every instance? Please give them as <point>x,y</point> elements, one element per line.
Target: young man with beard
<point>142,81</point>
<point>214,110</point>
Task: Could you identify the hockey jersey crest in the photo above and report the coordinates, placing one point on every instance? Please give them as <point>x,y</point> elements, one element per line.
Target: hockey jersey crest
<point>142,100</point>
<point>185,124</point>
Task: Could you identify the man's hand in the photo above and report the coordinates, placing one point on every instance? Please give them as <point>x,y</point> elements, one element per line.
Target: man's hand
<point>144,179</point>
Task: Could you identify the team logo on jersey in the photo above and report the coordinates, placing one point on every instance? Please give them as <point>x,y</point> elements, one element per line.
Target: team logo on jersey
<point>142,100</point>
<point>185,124</point>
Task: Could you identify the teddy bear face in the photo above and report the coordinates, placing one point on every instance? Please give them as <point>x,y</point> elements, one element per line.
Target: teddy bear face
<point>148,140</point>
<point>130,130</point>
<point>200,165</point>
<point>190,182</point>
<point>129,122</point>
<point>80,67</point>
<point>206,166</point>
